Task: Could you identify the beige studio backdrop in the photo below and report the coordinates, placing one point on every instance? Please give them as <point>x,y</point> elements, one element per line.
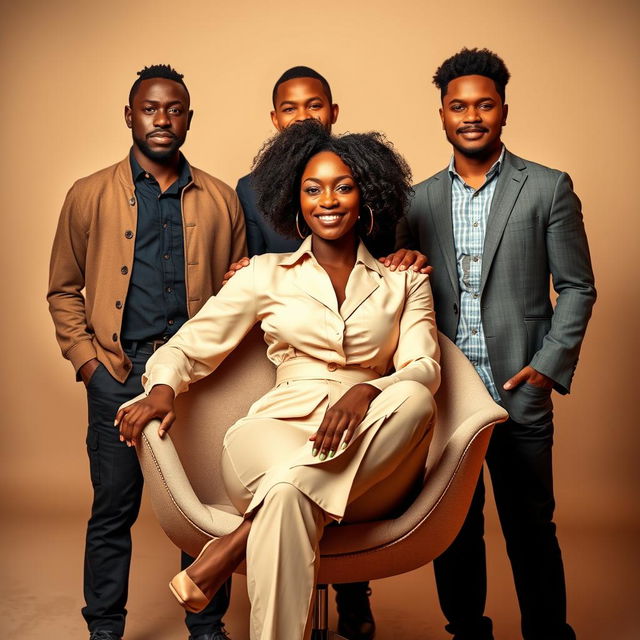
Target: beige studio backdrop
<point>67,69</point>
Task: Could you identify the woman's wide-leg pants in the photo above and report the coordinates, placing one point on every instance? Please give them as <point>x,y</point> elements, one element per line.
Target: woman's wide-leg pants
<point>269,472</point>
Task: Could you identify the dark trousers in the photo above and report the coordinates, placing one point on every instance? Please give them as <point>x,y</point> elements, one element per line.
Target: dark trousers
<point>117,491</point>
<point>519,461</point>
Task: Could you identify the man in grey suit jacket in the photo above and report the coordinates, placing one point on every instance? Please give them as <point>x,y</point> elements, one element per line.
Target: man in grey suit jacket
<point>496,228</point>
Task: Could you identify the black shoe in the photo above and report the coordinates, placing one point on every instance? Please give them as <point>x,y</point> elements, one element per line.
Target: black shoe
<point>355,620</point>
<point>104,635</point>
<point>218,633</point>
<point>475,629</point>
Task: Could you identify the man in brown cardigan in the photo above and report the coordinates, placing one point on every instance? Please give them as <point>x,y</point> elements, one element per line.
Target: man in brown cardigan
<point>140,247</point>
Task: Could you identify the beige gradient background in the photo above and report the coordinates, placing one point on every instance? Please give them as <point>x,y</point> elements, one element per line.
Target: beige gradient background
<point>67,68</point>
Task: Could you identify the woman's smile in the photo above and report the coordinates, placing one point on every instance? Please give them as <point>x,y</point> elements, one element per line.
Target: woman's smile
<point>329,197</point>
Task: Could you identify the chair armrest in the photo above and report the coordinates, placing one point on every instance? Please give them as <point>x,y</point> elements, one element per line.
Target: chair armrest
<point>172,496</point>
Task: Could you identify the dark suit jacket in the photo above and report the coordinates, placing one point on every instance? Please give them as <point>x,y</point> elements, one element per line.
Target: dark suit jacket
<point>534,232</point>
<point>261,237</point>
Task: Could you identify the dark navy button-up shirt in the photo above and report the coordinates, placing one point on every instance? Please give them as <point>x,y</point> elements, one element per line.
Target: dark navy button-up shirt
<point>156,303</point>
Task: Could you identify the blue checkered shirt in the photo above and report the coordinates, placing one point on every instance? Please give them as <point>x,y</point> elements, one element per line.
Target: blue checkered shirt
<point>470,210</point>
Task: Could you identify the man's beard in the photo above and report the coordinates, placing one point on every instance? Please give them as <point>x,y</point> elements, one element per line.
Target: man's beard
<point>159,155</point>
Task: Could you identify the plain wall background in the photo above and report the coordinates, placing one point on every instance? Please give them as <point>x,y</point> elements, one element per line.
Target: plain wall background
<point>67,69</point>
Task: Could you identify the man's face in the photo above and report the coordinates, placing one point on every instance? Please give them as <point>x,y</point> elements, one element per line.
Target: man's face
<point>300,99</point>
<point>473,115</point>
<point>159,118</point>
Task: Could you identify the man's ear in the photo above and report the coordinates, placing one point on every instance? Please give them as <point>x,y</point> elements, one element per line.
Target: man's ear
<point>274,119</point>
<point>335,110</point>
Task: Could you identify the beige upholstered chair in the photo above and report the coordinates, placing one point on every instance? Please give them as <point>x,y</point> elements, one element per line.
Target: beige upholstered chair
<point>183,478</point>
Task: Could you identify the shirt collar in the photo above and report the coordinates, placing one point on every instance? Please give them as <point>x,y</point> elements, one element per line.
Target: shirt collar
<point>494,170</point>
<point>363,256</point>
<point>184,175</point>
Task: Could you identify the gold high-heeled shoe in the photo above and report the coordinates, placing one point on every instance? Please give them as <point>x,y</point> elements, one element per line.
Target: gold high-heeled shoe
<point>187,592</point>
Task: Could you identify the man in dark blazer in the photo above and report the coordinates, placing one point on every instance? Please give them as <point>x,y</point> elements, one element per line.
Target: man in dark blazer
<point>496,228</point>
<point>300,93</point>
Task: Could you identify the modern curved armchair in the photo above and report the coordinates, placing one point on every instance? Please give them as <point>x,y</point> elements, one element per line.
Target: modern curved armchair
<point>184,480</point>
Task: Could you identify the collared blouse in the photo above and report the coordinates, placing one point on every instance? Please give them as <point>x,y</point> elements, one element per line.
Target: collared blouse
<point>385,323</point>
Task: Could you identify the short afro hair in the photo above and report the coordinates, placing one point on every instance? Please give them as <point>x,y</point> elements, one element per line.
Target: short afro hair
<point>381,173</point>
<point>472,62</point>
<point>156,71</point>
<point>301,72</point>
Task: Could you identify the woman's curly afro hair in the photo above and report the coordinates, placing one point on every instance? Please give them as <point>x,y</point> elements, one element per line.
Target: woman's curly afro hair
<point>382,175</point>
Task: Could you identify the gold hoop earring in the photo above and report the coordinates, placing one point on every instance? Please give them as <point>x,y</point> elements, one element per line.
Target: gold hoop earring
<point>298,226</point>
<point>371,214</point>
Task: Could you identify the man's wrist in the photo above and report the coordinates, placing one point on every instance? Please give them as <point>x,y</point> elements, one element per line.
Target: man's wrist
<point>87,369</point>
<point>80,353</point>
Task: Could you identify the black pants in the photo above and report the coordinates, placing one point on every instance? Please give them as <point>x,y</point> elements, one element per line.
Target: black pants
<point>117,491</point>
<point>519,461</point>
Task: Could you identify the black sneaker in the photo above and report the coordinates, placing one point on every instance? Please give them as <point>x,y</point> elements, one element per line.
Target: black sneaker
<point>101,634</point>
<point>218,633</point>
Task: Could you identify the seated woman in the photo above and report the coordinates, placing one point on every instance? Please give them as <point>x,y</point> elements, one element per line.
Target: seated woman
<point>338,437</point>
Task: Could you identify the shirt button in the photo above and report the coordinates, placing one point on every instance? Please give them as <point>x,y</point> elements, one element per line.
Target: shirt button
<point>124,270</point>
<point>474,332</point>
<point>132,201</point>
<point>332,366</point>
<point>169,289</point>
<point>170,322</point>
<point>146,175</point>
<point>476,258</point>
<point>118,304</point>
<point>164,226</point>
<point>166,256</point>
<point>114,337</point>
<point>475,295</point>
<point>128,234</point>
<point>475,224</point>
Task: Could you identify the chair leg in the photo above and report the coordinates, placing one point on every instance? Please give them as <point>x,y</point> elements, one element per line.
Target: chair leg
<point>321,616</point>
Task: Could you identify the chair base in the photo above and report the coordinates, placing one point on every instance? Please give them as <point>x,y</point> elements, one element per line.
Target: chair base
<point>320,617</point>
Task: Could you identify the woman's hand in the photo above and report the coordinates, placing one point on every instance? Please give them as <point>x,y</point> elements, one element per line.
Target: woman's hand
<point>134,418</point>
<point>342,419</point>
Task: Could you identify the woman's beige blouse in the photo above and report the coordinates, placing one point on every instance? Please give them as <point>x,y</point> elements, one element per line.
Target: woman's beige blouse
<point>386,321</point>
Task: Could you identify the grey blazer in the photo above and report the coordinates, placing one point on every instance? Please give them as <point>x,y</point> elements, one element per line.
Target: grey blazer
<point>534,231</point>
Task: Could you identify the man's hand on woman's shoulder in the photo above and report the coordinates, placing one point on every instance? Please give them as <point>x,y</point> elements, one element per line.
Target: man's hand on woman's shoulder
<point>404,259</point>
<point>233,267</point>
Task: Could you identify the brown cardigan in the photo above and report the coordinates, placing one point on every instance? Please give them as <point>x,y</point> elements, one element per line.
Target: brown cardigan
<point>93,250</point>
